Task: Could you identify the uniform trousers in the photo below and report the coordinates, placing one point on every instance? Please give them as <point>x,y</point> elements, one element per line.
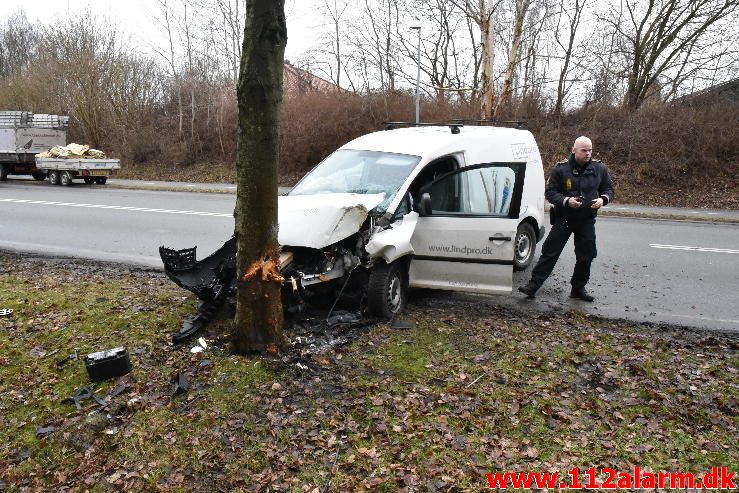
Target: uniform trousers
<point>585,251</point>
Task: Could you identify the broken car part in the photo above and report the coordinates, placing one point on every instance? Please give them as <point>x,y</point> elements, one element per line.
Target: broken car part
<point>180,385</point>
<point>60,364</point>
<point>210,279</point>
<point>86,392</point>
<point>107,364</point>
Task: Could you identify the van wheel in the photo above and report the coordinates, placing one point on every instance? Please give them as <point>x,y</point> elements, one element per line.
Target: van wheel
<point>100,180</point>
<point>54,177</point>
<point>387,289</point>
<point>66,178</point>
<point>525,246</point>
<point>4,172</point>
<point>89,180</point>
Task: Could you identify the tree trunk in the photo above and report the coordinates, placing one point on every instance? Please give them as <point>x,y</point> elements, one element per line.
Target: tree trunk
<point>506,93</point>
<point>487,89</point>
<point>258,325</point>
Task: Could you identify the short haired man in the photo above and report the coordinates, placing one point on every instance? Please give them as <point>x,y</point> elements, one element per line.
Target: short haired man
<point>577,187</point>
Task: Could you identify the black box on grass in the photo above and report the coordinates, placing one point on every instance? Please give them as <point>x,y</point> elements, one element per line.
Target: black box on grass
<point>107,364</point>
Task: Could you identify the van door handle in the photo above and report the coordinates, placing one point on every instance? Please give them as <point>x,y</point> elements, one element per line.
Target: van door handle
<point>500,238</point>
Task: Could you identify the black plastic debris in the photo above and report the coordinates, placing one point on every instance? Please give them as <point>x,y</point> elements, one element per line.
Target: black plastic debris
<point>107,364</point>
<point>206,311</point>
<point>116,391</point>
<point>211,279</point>
<point>60,364</point>
<point>180,385</point>
<point>84,393</point>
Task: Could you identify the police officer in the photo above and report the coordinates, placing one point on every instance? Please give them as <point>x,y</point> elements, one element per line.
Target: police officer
<point>577,188</point>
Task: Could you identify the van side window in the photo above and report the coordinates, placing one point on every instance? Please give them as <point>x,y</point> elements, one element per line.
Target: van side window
<point>486,190</point>
<point>432,171</point>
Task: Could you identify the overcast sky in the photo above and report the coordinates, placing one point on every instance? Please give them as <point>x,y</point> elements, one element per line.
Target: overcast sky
<point>135,18</point>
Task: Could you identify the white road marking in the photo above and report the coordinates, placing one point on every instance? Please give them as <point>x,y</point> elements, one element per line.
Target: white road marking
<point>694,249</point>
<point>117,207</point>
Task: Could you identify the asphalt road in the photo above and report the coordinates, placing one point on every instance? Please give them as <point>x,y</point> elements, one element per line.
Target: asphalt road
<point>677,272</point>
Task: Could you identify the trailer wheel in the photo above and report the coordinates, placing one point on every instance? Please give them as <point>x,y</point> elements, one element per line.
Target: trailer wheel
<point>39,176</point>
<point>4,172</point>
<point>100,180</point>
<point>89,180</point>
<point>54,177</point>
<point>65,178</point>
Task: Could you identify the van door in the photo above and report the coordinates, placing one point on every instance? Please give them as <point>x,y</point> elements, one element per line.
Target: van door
<point>467,243</point>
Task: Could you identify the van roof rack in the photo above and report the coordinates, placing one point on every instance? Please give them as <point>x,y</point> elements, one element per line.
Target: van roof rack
<point>517,124</point>
<point>453,126</point>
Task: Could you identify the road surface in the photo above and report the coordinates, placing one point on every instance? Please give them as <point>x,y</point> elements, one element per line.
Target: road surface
<point>677,272</point>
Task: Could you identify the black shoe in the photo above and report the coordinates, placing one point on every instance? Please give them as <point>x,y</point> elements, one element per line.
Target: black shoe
<point>528,290</point>
<point>581,294</point>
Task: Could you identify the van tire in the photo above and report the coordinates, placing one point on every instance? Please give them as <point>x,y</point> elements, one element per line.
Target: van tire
<point>4,172</point>
<point>100,180</point>
<point>387,290</point>
<point>54,177</point>
<point>524,247</point>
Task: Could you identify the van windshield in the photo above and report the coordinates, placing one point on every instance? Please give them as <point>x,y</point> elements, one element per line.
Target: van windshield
<point>364,172</point>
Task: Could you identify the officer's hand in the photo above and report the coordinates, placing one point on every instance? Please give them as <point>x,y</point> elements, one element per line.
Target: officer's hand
<point>597,203</point>
<point>574,202</point>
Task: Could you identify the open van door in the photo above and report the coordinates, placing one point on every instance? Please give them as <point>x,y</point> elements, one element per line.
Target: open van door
<point>466,241</point>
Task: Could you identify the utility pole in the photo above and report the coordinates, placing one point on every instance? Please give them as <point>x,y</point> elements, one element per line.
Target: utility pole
<point>418,74</point>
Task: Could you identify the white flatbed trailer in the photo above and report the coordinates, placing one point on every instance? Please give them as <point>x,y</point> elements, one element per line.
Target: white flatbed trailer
<point>63,171</point>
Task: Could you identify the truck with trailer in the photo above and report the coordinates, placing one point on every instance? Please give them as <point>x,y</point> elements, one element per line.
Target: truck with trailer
<point>34,144</point>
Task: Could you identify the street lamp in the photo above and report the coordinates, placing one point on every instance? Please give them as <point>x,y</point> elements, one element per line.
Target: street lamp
<point>418,73</point>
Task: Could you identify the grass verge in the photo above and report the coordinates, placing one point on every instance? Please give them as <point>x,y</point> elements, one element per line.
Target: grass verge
<point>470,389</point>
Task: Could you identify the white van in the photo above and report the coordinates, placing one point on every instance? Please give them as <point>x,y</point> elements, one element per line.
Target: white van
<point>445,207</point>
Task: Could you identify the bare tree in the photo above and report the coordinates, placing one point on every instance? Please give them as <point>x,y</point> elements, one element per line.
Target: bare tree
<point>656,34</point>
<point>232,30</point>
<point>258,323</point>
<point>521,8</point>
<point>334,10</point>
<point>169,29</point>
<point>571,15</point>
<point>482,12</point>
<point>538,23</point>
<point>18,42</point>
<point>444,60</point>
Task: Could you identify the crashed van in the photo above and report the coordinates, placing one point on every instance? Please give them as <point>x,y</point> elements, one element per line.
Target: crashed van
<point>452,207</point>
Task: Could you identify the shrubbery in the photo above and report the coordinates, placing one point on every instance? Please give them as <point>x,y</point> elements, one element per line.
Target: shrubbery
<point>663,154</point>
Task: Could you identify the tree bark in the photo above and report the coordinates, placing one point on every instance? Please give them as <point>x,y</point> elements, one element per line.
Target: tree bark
<point>258,325</point>
<point>487,89</point>
<point>506,93</point>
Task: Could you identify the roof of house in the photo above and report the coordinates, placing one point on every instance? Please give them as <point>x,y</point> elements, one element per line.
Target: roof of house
<point>297,80</point>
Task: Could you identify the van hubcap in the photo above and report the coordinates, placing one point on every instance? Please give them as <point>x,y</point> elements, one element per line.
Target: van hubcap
<point>394,296</point>
<point>523,247</point>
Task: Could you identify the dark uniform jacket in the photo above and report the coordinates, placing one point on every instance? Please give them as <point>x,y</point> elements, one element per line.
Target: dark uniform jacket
<point>566,180</point>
